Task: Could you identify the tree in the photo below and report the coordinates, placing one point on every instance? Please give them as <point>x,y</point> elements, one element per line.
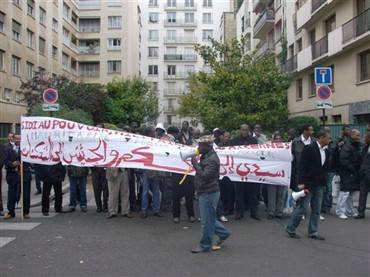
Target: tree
<point>242,88</point>
<point>130,99</point>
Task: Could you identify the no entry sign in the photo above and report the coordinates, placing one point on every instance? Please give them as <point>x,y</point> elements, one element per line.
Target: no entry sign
<point>323,92</point>
<point>50,95</point>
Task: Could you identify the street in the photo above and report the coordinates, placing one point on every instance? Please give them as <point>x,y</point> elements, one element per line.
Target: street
<point>88,244</point>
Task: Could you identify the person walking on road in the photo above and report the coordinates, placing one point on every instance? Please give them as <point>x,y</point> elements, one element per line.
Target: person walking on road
<point>312,176</point>
<point>207,174</point>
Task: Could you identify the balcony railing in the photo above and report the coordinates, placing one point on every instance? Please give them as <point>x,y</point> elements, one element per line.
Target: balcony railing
<point>320,48</point>
<point>180,6</point>
<point>316,4</point>
<point>89,29</point>
<point>89,73</point>
<point>290,65</point>
<point>180,57</point>
<point>180,40</point>
<point>265,46</point>
<point>180,23</point>
<point>264,23</point>
<point>89,5</point>
<point>177,75</point>
<point>356,26</point>
<point>173,91</point>
<point>87,50</point>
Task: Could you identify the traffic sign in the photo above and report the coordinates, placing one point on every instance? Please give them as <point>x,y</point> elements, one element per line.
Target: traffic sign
<point>323,92</point>
<point>324,104</point>
<point>323,76</point>
<point>50,107</point>
<point>50,95</point>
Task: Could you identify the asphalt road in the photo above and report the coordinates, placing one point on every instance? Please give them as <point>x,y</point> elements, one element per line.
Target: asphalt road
<point>88,244</point>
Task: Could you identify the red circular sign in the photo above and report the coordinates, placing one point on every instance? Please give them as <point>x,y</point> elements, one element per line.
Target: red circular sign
<point>50,95</point>
<point>324,92</point>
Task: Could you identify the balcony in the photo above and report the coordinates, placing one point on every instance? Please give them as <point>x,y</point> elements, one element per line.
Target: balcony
<point>184,40</point>
<point>316,4</point>
<point>173,92</point>
<point>177,75</point>
<point>290,65</point>
<point>89,5</point>
<point>87,73</point>
<point>356,27</point>
<point>87,50</point>
<point>319,48</point>
<point>180,57</point>
<point>169,109</point>
<point>264,24</point>
<point>259,5</point>
<point>180,7</point>
<point>265,46</point>
<point>179,23</point>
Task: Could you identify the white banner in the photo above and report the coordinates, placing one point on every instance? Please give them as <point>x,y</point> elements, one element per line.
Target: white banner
<point>46,140</point>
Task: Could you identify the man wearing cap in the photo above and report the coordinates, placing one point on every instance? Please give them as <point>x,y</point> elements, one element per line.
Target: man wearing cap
<point>207,174</point>
<point>159,130</point>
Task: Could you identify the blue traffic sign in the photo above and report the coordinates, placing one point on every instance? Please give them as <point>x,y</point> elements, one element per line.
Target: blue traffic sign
<point>324,92</point>
<point>50,95</point>
<point>323,76</point>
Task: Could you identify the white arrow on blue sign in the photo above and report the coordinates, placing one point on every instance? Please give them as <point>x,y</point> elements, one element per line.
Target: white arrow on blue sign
<point>323,76</point>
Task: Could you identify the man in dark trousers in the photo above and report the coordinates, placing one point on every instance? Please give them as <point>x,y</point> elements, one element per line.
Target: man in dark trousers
<point>364,178</point>
<point>312,176</point>
<point>207,174</point>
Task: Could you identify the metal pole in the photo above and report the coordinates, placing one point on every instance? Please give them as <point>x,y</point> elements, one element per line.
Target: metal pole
<point>22,206</point>
<point>323,117</point>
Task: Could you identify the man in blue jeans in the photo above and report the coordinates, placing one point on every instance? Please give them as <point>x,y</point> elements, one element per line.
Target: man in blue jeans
<point>206,184</point>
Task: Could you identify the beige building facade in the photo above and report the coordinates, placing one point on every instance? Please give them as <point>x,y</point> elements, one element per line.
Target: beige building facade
<point>87,41</point>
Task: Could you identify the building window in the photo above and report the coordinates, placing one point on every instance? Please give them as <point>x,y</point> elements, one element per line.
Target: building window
<point>207,3</point>
<point>312,87</point>
<point>30,39</point>
<point>65,60</point>
<point>18,97</point>
<point>153,17</point>
<point>2,20</point>
<point>206,34</point>
<point>42,16</point>
<point>153,3</point>
<point>153,52</point>
<point>114,66</point>
<point>31,8</point>
<point>171,3</point>
<point>153,34</point>
<point>114,44</point>
<point>171,70</point>
<point>207,18</point>
<point>65,10</point>
<point>17,2</point>
<point>89,25</point>
<point>312,36</point>
<point>65,33</point>
<point>299,45</point>
<point>2,60</point>
<point>189,3</point>
<point>189,17</point>
<point>337,118</point>
<point>54,52</point>
<point>16,66</point>
<point>55,25</point>
<point>42,71</point>
<point>299,89</point>
<point>29,71</point>
<point>16,28</point>
<point>364,66</point>
<point>114,22</point>
<point>153,70</point>
<point>171,35</point>
<point>171,17</point>
<point>42,46</point>
<point>330,24</point>
<point>74,18</point>
<point>278,32</point>
<point>7,94</point>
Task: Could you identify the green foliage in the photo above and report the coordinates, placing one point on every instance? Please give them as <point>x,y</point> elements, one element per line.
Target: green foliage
<point>76,115</point>
<point>298,122</point>
<point>3,140</point>
<point>243,88</point>
<point>110,126</point>
<point>130,99</point>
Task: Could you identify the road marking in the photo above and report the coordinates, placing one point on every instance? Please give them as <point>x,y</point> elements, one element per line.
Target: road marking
<point>17,226</point>
<point>5,240</point>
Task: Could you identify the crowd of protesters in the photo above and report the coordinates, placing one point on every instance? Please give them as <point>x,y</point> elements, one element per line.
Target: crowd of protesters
<point>125,191</point>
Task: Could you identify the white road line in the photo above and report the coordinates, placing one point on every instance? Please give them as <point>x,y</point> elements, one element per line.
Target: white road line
<point>17,226</point>
<point>5,240</point>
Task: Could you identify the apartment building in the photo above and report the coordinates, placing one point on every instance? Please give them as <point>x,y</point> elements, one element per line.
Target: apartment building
<point>170,30</point>
<point>88,41</point>
<point>319,33</point>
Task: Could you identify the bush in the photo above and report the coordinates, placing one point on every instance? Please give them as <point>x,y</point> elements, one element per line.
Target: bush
<point>298,122</point>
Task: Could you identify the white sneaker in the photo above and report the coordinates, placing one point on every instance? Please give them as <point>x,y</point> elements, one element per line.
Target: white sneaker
<point>223,219</point>
<point>352,215</point>
<point>303,217</point>
<point>343,216</point>
<point>322,218</point>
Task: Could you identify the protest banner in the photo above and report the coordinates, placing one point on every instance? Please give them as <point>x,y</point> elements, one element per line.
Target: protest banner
<point>46,140</point>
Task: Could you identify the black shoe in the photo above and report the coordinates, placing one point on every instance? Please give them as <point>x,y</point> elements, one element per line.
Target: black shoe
<point>318,237</point>
<point>99,210</point>
<point>292,235</point>
<point>84,209</point>
<point>60,211</point>
<point>105,210</point>
<point>197,250</point>
<point>238,216</point>
<point>255,217</point>
<point>221,240</point>
<point>359,216</point>
<point>45,213</point>
<point>111,216</point>
<point>71,210</point>
<point>270,216</point>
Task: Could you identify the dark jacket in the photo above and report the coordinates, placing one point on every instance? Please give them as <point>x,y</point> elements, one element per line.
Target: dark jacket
<point>2,155</point>
<point>10,156</point>
<point>52,173</point>
<point>207,173</point>
<point>185,141</point>
<point>240,140</point>
<point>77,171</point>
<point>350,163</point>
<point>365,165</point>
<point>313,173</point>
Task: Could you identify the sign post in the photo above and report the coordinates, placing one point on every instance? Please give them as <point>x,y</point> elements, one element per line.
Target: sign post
<point>50,96</point>
<point>323,78</point>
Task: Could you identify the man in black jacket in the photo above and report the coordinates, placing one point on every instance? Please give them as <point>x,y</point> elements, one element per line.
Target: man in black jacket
<point>364,178</point>
<point>207,174</point>
<point>312,176</point>
<point>52,176</point>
